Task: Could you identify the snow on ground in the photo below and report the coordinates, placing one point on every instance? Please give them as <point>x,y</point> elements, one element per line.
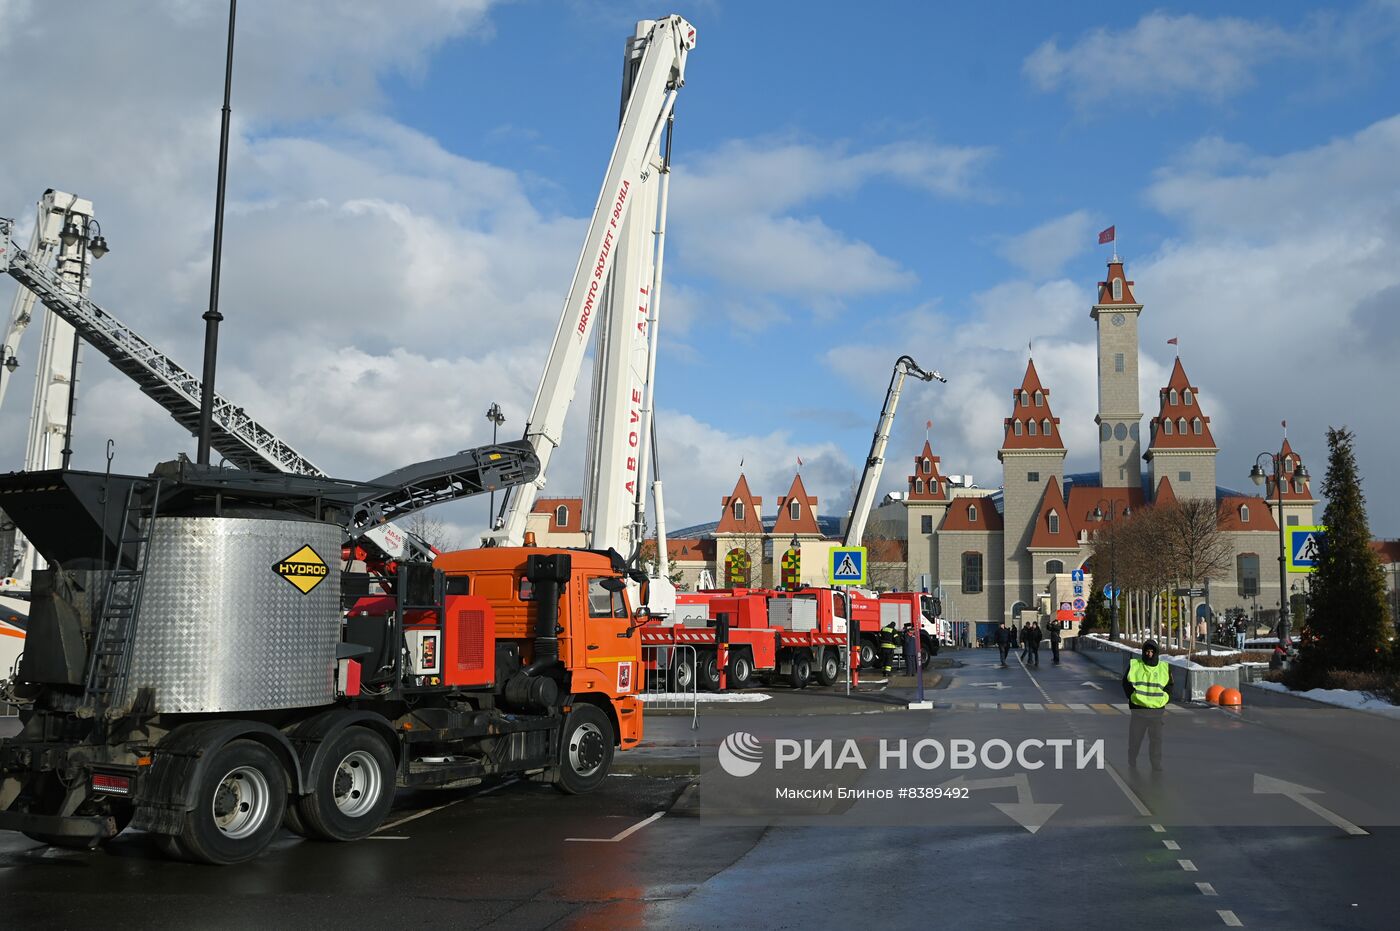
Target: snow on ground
<point>1342,698</point>
<point>706,696</point>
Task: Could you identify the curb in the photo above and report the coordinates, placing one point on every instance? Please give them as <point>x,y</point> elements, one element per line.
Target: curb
<point>664,769</point>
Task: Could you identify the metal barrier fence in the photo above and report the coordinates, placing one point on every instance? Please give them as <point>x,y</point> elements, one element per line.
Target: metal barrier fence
<point>671,681</point>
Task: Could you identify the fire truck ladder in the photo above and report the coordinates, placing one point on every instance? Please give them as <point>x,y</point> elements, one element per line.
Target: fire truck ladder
<point>121,604</point>
<point>239,438</point>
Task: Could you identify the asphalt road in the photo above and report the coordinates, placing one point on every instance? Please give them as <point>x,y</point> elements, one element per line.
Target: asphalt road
<point>1208,852</point>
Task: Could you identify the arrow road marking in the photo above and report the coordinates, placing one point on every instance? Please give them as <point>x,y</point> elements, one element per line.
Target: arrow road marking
<point>988,685</point>
<point>1093,685</point>
<point>1025,811</point>
<point>1268,785</point>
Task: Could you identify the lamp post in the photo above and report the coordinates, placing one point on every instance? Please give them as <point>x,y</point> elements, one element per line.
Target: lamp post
<point>494,415</point>
<point>1099,515</point>
<point>1259,477</point>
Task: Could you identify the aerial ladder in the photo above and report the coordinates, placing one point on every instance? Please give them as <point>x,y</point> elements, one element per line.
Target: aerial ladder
<point>242,440</point>
<point>616,289</point>
<point>875,462</point>
<point>66,235</point>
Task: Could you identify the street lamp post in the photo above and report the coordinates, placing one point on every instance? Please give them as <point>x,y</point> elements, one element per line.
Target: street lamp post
<point>1259,476</point>
<point>496,418</point>
<point>1100,515</point>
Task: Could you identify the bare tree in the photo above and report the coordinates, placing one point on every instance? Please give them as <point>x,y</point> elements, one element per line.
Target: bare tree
<point>1197,549</point>
<point>436,531</point>
<point>647,556</point>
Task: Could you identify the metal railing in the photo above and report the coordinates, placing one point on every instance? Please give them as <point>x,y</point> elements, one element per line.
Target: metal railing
<point>672,679</point>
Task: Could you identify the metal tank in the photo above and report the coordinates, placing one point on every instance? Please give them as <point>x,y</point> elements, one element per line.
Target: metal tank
<point>238,614</point>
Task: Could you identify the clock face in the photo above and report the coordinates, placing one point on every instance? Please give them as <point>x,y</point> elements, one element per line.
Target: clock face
<point>1118,319</point>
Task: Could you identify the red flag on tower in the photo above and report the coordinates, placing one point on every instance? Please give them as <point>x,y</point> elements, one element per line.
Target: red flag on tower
<point>799,462</point>
<point>1108,234</point>
<point>1173,342</point>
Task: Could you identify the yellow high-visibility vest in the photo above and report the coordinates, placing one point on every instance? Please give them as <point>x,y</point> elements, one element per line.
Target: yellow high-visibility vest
<point>1149,683</point>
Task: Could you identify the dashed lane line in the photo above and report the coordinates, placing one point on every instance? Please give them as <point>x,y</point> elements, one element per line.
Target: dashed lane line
<point>1171,845</point>
<point>429,811</point>
<point>1206,889</point>
<point>1229,917</point>
<point>620,836</point>
<point>1187,865</point>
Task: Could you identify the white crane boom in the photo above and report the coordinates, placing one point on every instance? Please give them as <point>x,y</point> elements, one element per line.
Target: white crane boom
<point>613,281</point>
<point>875,462</point>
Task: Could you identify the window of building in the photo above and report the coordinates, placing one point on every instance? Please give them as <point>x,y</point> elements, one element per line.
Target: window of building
<point>1039,399</point>
<point>1133,431</point>
<point>971,573</point>
<point>918,486</point>
<point>561,516</point>
<point>1183,476</point>
<point>1045,426</point>
<point>738,509</point>
<point>1054,567</point>
<point>1117,289</point>
<point>1016,427</point>
<point>1025,399</point>
<point>1167,426</point>
<point>1120,432</point>
<point>925,523</point>
<point>1288,465</point>
<point>1172,396</point>
<point>1031,427</point>
<point>795,509</point>
<point>1186,397</point>
<point>1196,426</point>
<point>1052,522</point>
<point>1298,485</point>
<point>928,466</point>
<point>972,513</point>
<point>1032,476</point>
<point>1247,569</point>
<point>1292,520</point>
<point>1181,426</point>
<point>1244,513</point>
<point>1118,362</point>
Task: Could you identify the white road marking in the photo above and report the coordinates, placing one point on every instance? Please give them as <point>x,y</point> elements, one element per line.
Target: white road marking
<point>1132,796</point>
<point>1171,845</point>
<point>619,836</point>
<point>1206,889</point>
<point>1158,829</point>
<point>1230,919</point>
<point>1265,785</point>
<point>428,811</point>
<point>1187,865</point>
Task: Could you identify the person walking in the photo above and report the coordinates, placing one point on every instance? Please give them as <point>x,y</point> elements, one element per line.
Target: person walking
<point>1002,635</point>
<point>1033,638</point>
<point>889,640</point>
<point>1025,637</point>
<point>1147,684</point>
<point>911,650</point>
<point>1055,642</point>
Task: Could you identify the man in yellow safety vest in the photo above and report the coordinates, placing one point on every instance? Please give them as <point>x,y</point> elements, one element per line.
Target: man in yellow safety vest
<point>1147,683</point>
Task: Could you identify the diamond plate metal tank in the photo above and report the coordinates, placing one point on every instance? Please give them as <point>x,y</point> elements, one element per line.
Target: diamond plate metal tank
<point>225,624</point>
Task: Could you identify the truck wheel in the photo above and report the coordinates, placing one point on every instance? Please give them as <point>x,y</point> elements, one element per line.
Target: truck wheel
<point>353,790</point>
<point>586,750</point>
<point>709,672</point>
<point>868,653</point>
<point>931,646</point>
<point>829,669</point>
<point>740,670</point>
<point>238,805</point>
<point>801,672</point>
<point>682,677</point>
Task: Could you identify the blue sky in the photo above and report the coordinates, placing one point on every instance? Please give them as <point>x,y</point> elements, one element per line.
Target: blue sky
<point>922,178</point>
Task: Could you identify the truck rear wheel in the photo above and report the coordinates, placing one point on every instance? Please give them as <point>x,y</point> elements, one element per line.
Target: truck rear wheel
<point>353,790</point>
<point>868,653</point>
<point>801,672</point>
<point>682,677</point>
<point>740,669</point>
<point>586,750</point>
<point>829,669</point>
<point>709,672</point>
<point>238,805</point>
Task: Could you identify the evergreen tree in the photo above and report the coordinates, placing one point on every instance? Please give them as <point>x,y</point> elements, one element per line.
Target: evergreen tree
<point>1096,611</point>
<point>1348,621</point>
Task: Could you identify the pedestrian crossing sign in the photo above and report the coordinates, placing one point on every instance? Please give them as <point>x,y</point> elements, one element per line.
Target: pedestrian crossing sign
<point>847,565</point>
<point>1305,546</point>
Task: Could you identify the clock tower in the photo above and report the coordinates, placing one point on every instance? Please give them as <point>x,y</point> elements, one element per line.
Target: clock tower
<point>1120,414</point>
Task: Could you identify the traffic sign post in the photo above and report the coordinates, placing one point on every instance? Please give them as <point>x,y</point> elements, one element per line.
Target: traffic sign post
<point>848,567</point>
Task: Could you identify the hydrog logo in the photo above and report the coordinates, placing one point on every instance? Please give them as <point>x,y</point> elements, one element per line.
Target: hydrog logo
<point>741,754</point>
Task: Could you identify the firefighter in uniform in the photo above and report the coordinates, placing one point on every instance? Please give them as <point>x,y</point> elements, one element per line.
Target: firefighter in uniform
<point>1147,685</point>
<point>889,642</point>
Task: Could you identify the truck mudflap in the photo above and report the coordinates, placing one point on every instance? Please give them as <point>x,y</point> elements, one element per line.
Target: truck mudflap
<point>92,829</point>
<point>629,721</point>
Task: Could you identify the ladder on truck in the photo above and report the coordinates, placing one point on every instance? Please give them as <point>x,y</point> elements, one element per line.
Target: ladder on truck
<point>121,602</point>
<point>238,437</point>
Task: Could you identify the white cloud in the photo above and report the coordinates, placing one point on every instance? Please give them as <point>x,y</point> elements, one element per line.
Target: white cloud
<point>1043,251</point>
<point>1162,56</point>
